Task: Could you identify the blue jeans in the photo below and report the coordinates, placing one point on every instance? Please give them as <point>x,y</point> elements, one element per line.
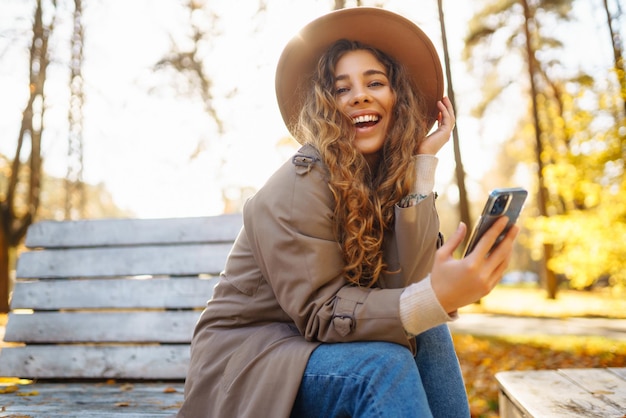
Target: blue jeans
<point>383,379</point>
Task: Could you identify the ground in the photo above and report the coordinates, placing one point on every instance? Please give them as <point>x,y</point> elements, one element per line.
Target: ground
<point>483,356</point>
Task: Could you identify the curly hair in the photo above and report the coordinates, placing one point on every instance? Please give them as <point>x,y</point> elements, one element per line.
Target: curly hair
<point>364,196</point>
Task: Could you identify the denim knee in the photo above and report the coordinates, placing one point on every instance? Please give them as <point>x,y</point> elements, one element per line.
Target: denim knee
<point>365,379</point>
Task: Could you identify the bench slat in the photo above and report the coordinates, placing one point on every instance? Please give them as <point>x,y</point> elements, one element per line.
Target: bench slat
<point>549,394</point>
<point>55,400</point>
<point>149,362</point>
<point>126,261</point>
<point>104,232</point>
<point>170,293</point>
<point>88,327</point>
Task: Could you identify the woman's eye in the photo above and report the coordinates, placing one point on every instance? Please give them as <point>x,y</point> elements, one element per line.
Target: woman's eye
<point>340,90</point>
<point>376,84</point>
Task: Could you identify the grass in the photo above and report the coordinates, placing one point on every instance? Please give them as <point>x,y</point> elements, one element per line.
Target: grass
<point>533,302</point>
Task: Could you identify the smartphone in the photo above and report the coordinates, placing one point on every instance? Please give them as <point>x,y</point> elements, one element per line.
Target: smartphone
<point>501,202</point>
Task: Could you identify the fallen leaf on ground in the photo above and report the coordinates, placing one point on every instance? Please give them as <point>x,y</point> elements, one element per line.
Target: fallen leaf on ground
<point>31,393</point>
<point>9,389</point>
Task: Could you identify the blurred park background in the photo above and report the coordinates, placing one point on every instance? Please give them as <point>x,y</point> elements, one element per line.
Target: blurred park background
<point>137,108</point>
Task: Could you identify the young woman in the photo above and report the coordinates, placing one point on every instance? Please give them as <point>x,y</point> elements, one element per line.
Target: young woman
<point>335,297</point>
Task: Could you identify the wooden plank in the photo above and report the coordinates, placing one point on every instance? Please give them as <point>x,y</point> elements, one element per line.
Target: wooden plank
<point>124,261</point>
<point>550,394</point>
<point>91,400</point>
<point>103,232</point>
<point>168,293</point>
<point>96,327</point>
<point>619,371</point>
<point>601,383</point>
<point>149,362</point>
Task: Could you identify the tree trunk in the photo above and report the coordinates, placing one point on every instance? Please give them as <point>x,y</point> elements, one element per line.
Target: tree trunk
<point>14,226</point>
<point>5,268</point>
<point>464,211</point>
<point>618,52</point>
<point>75,201</point>
<point>548,276</point>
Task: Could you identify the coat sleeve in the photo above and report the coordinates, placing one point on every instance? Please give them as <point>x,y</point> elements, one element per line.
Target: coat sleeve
<point>416,238</point>
<point>289,226</point>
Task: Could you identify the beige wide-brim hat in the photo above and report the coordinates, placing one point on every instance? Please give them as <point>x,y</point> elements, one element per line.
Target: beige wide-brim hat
<point>389,32</point>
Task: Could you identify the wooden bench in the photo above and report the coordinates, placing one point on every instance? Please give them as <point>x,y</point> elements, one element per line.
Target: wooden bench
<point>583,393</point>
<point>103,312</point>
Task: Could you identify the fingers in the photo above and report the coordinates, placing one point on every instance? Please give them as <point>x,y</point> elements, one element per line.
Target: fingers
<point>440,136</point>
<point>457,283</point>
<point>489,238</point>
<point>505,248</point>
<point>450,246</point>
<point>501,267</point>
<point>447,104</point>
<point>446,113</point>
<point>498,260</point>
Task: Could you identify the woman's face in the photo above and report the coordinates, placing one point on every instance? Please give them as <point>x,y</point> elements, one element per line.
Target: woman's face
<point>364,93</point>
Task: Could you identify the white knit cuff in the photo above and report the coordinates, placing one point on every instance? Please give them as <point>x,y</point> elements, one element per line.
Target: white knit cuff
<point>425,166</point>
<point>420,309</point>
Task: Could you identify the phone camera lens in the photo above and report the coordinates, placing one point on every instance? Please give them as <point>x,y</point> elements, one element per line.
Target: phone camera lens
<point>499,205</point>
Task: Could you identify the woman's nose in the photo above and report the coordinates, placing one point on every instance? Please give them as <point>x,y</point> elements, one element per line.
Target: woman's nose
<point>360,96</point>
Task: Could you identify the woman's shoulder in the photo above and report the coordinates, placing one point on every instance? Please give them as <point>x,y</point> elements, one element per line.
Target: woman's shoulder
<point>304,175</point>
<point>296,194</point>
<point>305,164</point>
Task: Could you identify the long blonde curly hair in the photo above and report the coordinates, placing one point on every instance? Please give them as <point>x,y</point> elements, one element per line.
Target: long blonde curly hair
<point>364,196</point>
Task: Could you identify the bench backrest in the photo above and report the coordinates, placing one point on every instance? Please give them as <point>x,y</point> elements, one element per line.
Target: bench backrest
<point>113,299</point>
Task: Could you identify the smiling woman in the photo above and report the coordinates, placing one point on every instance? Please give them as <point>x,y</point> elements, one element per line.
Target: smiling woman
<point>340,262</point>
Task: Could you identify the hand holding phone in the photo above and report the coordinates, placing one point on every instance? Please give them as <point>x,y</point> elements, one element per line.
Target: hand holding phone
<point>501,202</point>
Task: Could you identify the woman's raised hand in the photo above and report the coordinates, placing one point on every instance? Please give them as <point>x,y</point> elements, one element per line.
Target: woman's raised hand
<point>458,283</point>
<point>438,138</point>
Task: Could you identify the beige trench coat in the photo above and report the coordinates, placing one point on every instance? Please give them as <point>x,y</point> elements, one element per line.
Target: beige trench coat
<point>282,293</point>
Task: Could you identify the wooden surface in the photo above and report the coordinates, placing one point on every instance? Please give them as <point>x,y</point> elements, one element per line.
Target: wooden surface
<point>101,327</point>
<point>564,393</point>
<point>78,361</point>
<point>93,400</point>
<point>113,298</point>
<point>116,293</point>
<point>123,261</point>
<point>115,232</point>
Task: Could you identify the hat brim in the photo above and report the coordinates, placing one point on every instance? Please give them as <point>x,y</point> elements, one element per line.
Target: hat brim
<point>389,32</point>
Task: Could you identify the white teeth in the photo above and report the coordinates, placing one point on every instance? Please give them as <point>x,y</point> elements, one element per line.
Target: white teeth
<point>365,118</point>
